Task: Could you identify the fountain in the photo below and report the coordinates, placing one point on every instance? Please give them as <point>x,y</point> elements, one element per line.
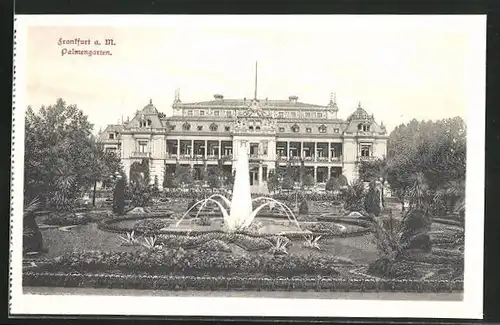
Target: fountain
<point>241,213</point>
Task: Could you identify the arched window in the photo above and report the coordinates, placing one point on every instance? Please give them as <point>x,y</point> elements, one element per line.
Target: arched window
<point>186,126</point>
<point>214,127</point>
<point>295,128</point>
<point>149,122</point>
<point>363,127</point>
<point>322,129</point>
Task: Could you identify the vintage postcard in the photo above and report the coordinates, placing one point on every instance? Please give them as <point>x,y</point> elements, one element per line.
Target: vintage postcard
<point>282,166</point>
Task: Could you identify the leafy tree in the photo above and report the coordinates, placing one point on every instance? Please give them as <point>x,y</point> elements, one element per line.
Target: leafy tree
<point>169,179</point>
<point>58,154</point>
<point>213,177</point>
<point>374,170</point>
<point>435,149</point>
<point>287,183</point>
<point>333,184</point>
<point>183,175</point>
<point>141,190</point>
<point>308,181</point>
<point>229,179</point>
<point>272,181</point>
<point>372,199</point>
<point>342,181</point>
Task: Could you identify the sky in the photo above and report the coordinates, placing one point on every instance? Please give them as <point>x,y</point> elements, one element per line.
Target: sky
<point>398,67</point>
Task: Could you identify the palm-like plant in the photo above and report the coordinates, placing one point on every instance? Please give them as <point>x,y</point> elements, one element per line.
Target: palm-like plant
<point>387,239</point>
<point>151,243</point>
<point>279,247</point>
<point>129,240</point>
<point>312,242</point>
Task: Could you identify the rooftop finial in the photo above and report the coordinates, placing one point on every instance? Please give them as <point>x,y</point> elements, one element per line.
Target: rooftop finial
<point>335,98</point>
<point>331,97</point>
<point>255,90</point>
<point>359,104</point>
<point>150,101</point>
<point>177,95</point>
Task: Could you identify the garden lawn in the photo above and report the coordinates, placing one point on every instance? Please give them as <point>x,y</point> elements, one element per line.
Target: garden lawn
<point>88,237</point>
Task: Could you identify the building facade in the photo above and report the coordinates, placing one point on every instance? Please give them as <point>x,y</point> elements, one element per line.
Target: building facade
<point>278,133</point>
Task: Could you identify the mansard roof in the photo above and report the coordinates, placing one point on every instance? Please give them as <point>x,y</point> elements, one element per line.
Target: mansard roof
<point>110,128</point>
<point>265,104</point>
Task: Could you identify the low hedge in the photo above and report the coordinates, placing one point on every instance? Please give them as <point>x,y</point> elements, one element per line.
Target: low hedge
<point>68,219</point>
<point>228,283</point>
<point>192,262</point>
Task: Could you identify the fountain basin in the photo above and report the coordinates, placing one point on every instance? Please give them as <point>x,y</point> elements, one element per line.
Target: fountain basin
<point>262,226</point>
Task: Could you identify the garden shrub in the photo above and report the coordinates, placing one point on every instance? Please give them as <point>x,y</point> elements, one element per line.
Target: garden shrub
<point>119,197</point>
<point>353,197</point>
<point>415,227</point>
<point>191,203</point>
<point>150,226</point>
<point>304,207</point>
<point>372,200</point>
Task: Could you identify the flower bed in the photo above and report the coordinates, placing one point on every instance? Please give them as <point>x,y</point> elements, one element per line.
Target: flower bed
<point>247,242</point>
<point>191,262</point>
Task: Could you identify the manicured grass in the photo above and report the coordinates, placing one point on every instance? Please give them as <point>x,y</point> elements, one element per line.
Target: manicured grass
<point>88,237</point>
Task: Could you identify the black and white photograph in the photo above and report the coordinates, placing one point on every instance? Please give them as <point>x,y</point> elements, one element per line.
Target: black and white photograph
<point>251,165</point>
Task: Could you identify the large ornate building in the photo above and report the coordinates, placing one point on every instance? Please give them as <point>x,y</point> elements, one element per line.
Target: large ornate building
<point>278,132</point>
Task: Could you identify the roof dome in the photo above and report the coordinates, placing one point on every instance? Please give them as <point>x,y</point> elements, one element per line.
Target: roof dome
<point>359,114</point>
<point>150,108</point>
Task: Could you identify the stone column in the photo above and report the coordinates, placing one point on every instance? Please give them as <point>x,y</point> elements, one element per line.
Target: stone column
<point>301,152</point>
<point>220,148</point>
<point>315,148</point>
<point>329,172</point>
<point>192,148</point>
<point>260,174</point>
<point>315,174</point>
<point>329,151</point>
<point>178,147</point>
<point>206,148</point>
<point>288,149</point>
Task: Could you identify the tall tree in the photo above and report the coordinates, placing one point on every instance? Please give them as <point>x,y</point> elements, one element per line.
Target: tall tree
<point>436,149</point>
<point>374,171</point>
<point>58,153</point>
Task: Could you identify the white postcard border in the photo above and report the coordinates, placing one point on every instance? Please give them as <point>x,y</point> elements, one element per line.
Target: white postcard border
<point>470,307</point>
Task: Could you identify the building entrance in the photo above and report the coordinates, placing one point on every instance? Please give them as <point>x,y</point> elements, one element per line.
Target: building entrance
<point>254,176</point>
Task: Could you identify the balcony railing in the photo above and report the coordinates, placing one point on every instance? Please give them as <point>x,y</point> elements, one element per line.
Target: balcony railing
<point>212,157</point>
<point>171,155</point>
<point>139,154</point>
<point>337,159</point>
<point>367,158</point>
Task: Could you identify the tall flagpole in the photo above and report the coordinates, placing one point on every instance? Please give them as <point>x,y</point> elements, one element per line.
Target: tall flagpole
<point>255,92</point>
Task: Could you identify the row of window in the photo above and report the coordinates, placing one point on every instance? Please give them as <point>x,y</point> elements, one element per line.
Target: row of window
<point>321,129</point>
<point>280,114</point>
<point>213,127</point>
